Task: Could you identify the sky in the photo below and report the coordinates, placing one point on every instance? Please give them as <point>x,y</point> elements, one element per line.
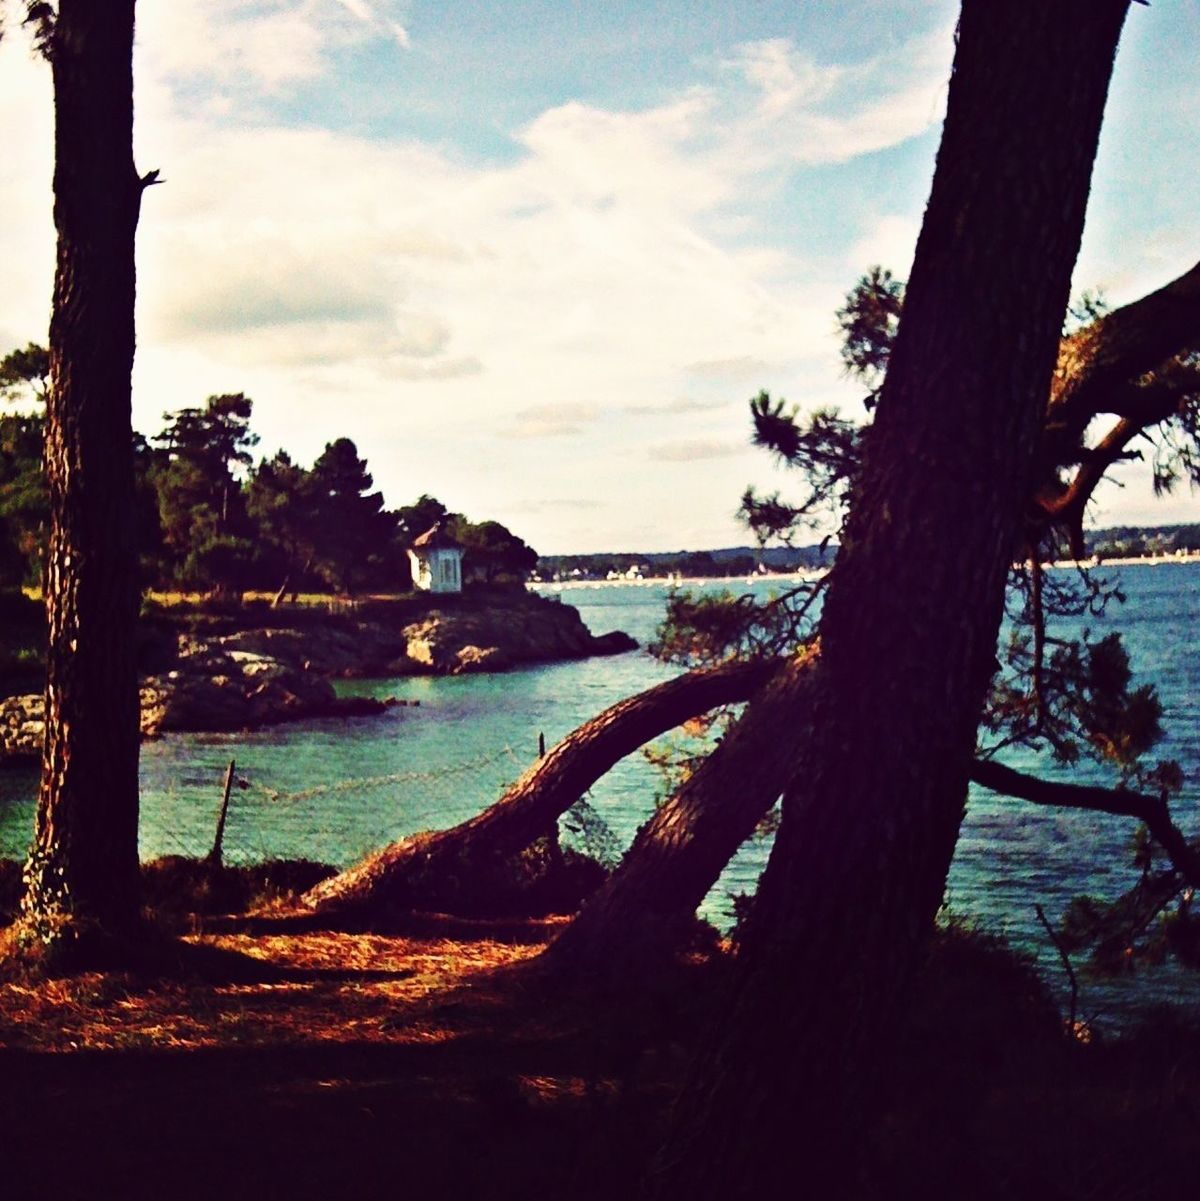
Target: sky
<point>534,258</point>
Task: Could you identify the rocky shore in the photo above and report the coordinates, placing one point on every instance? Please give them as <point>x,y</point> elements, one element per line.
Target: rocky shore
<point>226,673</point>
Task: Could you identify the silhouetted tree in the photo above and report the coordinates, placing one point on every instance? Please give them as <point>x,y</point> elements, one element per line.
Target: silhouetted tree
<point>82,875</point>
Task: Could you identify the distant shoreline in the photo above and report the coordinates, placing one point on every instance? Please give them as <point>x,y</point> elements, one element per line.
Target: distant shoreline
<point>554,586</point>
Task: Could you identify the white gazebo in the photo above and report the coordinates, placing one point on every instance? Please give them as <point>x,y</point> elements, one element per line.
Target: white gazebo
<point>436,561</point>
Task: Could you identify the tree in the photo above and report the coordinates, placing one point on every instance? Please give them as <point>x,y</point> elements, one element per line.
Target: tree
<point>25,372</point>
<point>201,506</point>
<point>82,877</point>
<point>424,512</point>
<point>349,522</point>
<point>910,620</point>
<point>24,509</point>
<point>279,500</point>
<point>428,871</point>
<point>492,551</point>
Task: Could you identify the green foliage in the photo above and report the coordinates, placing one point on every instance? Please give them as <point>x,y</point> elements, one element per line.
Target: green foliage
<point>206,532</point>
<point>424,512</point>
<point>492,551</point>
<point>1145,925</point>
<point>868,321</point>
<point>24,504</point>
<point>25,374</point>
<point>349,525</point>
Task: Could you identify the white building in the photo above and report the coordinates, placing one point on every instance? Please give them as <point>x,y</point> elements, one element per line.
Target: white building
<point>436,561</point>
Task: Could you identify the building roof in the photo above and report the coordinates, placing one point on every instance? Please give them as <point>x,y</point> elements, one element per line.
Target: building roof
<point>437,537</point>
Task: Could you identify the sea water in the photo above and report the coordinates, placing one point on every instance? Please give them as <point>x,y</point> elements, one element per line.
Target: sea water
<point>335,789</point>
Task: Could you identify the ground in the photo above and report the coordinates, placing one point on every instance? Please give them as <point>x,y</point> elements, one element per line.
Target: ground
<point>348,1065</point>
<point>272,1058</point>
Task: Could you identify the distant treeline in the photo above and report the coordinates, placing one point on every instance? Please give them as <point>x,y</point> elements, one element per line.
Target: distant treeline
<point>1130,542</point>
<point>692,564</point>
<point>1111,543</point>
<point>209,518</point>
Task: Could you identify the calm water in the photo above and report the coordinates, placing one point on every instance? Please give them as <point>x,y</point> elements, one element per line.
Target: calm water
<point>334,790</point>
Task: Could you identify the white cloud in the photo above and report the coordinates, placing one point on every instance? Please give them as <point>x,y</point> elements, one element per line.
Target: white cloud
<point>890,243</point>
<point>616,263</point>
<point>809,112</point>
<point>688,450</point>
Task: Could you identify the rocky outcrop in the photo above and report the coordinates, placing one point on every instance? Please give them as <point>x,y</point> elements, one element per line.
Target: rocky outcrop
<point>215,688</point>
<point>254,677</point>
<point>455,635</point>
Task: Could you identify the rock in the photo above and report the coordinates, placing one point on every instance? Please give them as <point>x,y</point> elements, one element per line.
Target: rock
<point>480,658</point>
<point>249,690</point>
<point>255,677</point>
<point>615,643</point>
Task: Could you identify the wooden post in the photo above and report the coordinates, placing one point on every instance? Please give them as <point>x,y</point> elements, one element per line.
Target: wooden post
<point>542,745</point>
<point>214,856</point>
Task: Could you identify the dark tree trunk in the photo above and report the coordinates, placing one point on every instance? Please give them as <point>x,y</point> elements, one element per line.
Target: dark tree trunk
<point>638,918</point>
<point>82,874</point>
<point>910,621</point>
<point>427,870</point>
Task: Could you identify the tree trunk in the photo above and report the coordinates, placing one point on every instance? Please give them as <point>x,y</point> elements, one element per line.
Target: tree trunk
<point>910,620</point>
<point>82,874</point>
<point>430,870</point>
<point>641,914</point>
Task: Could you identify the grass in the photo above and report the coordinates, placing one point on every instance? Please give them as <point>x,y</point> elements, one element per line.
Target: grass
<point>284,1059</point>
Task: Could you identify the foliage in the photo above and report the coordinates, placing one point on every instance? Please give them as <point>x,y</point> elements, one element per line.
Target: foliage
<point>1057,689</point>
<point>25,374</point>
<point>868,321</point>
<point>24,505</point>
<point>349,525</point>
<point>492,551</point>
<point>208,518</point>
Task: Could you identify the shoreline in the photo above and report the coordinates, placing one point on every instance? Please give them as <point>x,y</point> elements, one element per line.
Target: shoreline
<point>553,587</point>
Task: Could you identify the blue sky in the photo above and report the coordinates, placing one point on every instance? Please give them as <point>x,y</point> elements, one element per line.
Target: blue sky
<point>535,257</point>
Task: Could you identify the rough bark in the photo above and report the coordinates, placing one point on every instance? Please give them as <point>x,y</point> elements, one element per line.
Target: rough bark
<point>1102,369</point>
<point>425,870</point>
<point>910,620</point>
<point>637,919</point>
<point>82,873</point>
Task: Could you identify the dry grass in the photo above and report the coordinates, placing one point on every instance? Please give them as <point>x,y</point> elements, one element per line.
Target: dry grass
<point>282,1060</point>
<point>326,987</point>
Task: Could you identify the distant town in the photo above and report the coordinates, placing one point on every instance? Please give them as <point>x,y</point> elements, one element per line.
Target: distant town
<point>1115,542</point>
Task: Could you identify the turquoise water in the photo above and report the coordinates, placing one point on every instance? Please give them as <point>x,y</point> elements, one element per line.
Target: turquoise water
<point>334,790</point>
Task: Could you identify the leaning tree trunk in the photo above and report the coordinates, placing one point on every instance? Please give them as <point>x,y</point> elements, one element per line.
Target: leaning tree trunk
<point>82,874</point>
<point>645,909</point>
<point>440,869</point>
<point>910,620</point>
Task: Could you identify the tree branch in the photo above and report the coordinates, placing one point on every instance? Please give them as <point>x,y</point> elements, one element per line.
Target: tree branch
<point>1152,811</point>
<point>1122,346</point>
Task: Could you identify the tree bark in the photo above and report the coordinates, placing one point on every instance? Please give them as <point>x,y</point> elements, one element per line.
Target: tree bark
<point>82,873</point>
<point>641,914</point>
<point>426,870</point>
<point>910,620</point>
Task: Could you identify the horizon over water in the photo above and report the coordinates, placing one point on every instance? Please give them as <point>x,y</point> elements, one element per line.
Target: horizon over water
<point>335,789</point>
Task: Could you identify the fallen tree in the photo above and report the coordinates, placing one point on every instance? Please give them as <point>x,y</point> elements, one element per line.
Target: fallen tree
<point>456,868</point>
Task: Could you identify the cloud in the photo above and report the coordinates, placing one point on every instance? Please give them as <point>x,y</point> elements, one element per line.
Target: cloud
<point>243,47</point>
<point>557,504</point>
<point>890,243</point>
<point>673,408</point>
<point>812,112</point>
<point>553,420</point>
<point>343,279</point>
<point>738,369</point>
<point>448,368</point>
<point>689,450</point>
